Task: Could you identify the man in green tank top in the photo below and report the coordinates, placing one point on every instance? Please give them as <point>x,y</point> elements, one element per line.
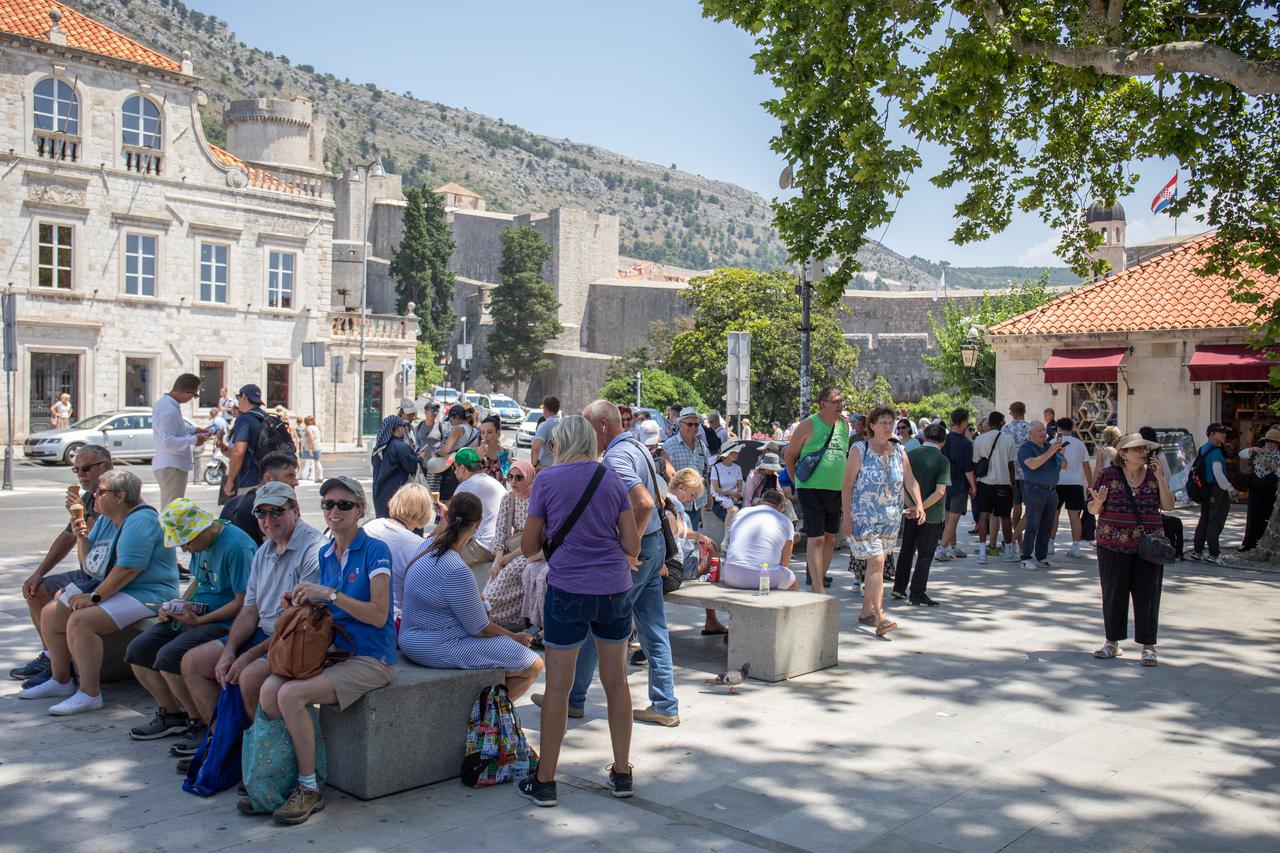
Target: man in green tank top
<point>819,495</point>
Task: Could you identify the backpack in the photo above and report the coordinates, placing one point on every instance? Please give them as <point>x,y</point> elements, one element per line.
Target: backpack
<point>273,436</point>
<point>496,749</point>
<point>712,439</point>
<point>300,646</point>
<point>1198,488</point>
<point>216,765</point>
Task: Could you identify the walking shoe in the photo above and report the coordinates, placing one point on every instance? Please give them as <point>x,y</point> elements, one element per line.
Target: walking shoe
<point>649,715</point>
<point>1043,564</point>
<point>922,599</point>
<point>184,766</point>
<point>191,741</point>
<point>78,703</point>
<point>959,555</point>
<point>576,713</point>
<point>1027,564</point>
<point>1053,549</point>
<point>38,679</point>
<point>245,807</point>
<point>543,794</point>
<point>982,558</point>
<point>1195,557</point>
<point>161,725</point>
<point>1213,560</point>
<point>621,783</point>
<point>302,804</point>
<point>46,689</point>
<point>942,556</point>
<point>38,664</point>
<point>1011,555</point>
<point>1075,554</point>
<point>899,595</point>
<point>638,658</point>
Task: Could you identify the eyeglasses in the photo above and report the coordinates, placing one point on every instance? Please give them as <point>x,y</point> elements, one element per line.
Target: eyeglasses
<point>626,420</point>
<point>274,512</point>
<point>904,429</point>
<point>344,506</point>
<point>839,401</point>
<point>97,493</point>
<point>87,468</point>
<point>517,478</point>
<point>689,424</point>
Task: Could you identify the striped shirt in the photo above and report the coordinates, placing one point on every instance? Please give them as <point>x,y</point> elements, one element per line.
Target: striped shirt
<point>682,456</point>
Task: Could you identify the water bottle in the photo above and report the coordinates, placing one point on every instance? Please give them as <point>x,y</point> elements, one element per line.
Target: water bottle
<point>764,580</point>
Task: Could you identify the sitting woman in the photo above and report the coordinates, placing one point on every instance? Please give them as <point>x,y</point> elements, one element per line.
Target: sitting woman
<point>685,487</point>
<point>444,624</point>
<point>762,478</point>
<point>411,509</point>
<point>504,592</point>
<point>760,543</point>
<point>355,582</point>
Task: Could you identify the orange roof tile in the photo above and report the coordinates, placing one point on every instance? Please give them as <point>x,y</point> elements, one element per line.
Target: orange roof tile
<point>258,178</point>
<point>30,18</point>
<point>456,189</point>
<point>1164,293</point>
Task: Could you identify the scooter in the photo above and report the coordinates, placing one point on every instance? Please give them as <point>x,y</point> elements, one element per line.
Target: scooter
<point>215,471</point>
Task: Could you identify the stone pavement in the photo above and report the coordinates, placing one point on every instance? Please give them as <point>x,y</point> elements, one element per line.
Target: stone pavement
<point>981,725</point>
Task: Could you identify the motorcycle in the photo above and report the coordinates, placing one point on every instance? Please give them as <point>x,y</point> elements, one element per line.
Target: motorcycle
<point>215,470</point>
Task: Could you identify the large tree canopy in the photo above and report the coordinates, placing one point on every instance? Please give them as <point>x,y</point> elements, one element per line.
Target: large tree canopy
<point>1040,105</point>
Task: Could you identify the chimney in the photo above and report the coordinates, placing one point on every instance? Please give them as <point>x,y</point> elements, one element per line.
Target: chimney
<point>55,34</point>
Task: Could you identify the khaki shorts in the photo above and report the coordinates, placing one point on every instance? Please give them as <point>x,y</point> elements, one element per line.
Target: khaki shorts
<point>354,677</point>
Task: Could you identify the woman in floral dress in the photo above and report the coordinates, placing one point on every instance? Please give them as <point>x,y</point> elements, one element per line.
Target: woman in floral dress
<point>504,592</point>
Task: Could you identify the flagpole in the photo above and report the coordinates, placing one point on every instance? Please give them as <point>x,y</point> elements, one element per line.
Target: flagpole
<point>1175,195</point>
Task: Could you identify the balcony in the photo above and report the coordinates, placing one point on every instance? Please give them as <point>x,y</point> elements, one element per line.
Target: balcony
<point>377,327</point>
<point>142,161</point>
<point>57,146</point>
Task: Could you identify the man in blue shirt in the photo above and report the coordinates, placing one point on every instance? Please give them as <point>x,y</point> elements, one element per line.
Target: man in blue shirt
<point>243,472</point>
<point>1039,460</point>
<point>1216,507</point>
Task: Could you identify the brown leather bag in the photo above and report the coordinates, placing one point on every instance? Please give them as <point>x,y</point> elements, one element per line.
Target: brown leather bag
<point>300,647</point>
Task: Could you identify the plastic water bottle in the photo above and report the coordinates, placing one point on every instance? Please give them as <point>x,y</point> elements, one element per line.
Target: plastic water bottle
<point>764,580</point>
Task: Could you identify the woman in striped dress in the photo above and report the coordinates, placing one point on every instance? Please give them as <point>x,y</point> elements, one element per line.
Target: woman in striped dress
<point>443,623</point>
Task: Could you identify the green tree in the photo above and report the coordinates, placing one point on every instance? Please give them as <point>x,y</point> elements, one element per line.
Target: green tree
<point>957,322</point>
<point>939,405</point>
<point>865,395</point>
<point>420,266</point>
<point>1040,105</point>
<point>658,390</point>
<point>426,372</point>
<point>766,305</point>
<point>524,310</point>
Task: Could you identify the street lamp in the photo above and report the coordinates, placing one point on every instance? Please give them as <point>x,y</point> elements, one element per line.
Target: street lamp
<point>970,348</point>
<point>360,174</point>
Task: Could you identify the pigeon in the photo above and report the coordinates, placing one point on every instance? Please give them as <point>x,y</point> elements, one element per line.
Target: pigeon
<point>732,678</point>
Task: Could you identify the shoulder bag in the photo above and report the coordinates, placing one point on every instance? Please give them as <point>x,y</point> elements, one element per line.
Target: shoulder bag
<point>983,465</point>
<point>300,645</point>
<point>808,463</point>
<point>1152,547</point>
<point>549,546</point>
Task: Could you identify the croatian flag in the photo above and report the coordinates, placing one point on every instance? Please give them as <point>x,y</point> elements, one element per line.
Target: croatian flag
<point>1166,195</point>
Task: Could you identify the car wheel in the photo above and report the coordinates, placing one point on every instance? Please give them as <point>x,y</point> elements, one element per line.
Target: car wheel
<point>69,455</point>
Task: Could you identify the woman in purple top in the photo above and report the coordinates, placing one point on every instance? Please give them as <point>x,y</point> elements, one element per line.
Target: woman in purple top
<point>588,582</point>
<point>1130,489</point>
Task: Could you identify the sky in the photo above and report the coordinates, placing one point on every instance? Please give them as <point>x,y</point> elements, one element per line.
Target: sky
<point>652,80</point>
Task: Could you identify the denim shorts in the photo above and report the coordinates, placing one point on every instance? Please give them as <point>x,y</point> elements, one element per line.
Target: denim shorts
<point>567,618</point>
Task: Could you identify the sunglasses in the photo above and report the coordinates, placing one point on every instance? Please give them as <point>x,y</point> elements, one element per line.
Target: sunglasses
<point>517,478</point>
<point>274,512</point>
<point>97,493</point>
<point>344,506</point>
<point>87,468</point>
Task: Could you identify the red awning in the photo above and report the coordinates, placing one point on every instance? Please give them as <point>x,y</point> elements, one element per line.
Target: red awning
<point>1097,364</point>
<point>1230,363</point>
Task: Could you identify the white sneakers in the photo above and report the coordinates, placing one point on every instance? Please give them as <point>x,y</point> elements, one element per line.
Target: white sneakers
<point>73,701</point>
<point>1027,564</point>
<point>77,704</point>
<point>48,690</point>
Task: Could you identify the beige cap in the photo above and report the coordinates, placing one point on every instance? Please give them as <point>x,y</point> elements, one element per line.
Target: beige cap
<point>1134,439</point>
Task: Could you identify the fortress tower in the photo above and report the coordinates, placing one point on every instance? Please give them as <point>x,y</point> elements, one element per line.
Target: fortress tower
<point>276,134</point>
<point>1109,220</point>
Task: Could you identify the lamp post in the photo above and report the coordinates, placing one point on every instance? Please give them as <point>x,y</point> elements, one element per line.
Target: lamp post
<point>360,175</point>
<point>970,348</point>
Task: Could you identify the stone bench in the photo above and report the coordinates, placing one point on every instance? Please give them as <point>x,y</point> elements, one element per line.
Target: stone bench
<point>405,735</point>
<point>113,648</point>
<point>782,634</point>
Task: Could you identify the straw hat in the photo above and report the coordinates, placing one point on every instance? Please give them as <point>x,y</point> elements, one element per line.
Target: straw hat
<point>1134,439</point>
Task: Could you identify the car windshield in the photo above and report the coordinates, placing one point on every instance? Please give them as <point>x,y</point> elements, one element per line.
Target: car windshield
<point>533,417</point>
<point>90,423</point>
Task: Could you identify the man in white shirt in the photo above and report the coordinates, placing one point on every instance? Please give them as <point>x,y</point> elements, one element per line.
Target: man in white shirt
<point>175,439</point>
<point>760,544</point>
<point>477,552</point>
<point>1071,482</point>
<point>995,492</point>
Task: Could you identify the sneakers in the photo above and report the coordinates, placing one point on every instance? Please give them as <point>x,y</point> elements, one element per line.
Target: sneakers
<point>621,783</point>
<point>542,794</point>
<point>245,807</point>
<point>943,556</point>
<point>1213,560</point>
<point>1195,556</point>
<point>38,679</point>
<point>1075,554</point>
<point>47,689</point>
<point>982,558</point>
<point>1011,555</point>
<point>1053,549</point>
<point>78,703</point>
<point>161,725</point>
<point>1044,564</point>
<point>1027,564</point>
<point>638,658</point>
<point>302,804</point>
<point>38,664</point>
<point>191,742</point>
<point>575,713</point>
<point>899,595</point>
<point>922,599</point>
<point>649,715</point>
<point>184,765</point>
<point>958,554</point>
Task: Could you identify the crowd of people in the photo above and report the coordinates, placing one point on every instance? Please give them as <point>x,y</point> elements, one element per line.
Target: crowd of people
<point>475,559</point>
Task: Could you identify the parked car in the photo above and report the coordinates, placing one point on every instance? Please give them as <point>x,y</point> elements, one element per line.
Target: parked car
<point>529,426</point>
<point>507,409</point>
<point>445,396</point>
<point>482,403</point>
<point>655,415</point>
<point>125,432</point>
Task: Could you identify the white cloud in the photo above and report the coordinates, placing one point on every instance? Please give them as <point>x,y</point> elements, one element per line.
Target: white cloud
<point>1041,254</point>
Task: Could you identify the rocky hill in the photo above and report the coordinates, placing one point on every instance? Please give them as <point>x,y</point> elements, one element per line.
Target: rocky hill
<point>666,214</point>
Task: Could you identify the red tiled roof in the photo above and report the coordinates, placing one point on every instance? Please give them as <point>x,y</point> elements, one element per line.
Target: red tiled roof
<point>1164,293</point>
<point>30,18</point>
<point>258,178</point>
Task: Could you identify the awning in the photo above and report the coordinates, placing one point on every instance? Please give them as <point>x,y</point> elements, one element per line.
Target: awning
<point>1230,363</point>
<point>1096,364</point>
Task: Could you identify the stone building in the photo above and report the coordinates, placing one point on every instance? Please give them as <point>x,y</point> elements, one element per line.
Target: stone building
<point>138,250</point>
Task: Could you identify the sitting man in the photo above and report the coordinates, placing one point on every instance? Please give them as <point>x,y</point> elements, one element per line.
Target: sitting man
<point>91,462</point>
<point>289,556</point>
<point>471,480</point>
<point>219,572</point>
<point>132,571</point>
<point>278,467</point>
<point>760,543</point>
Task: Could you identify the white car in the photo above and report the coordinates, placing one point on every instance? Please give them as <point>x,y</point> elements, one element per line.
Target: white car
<point>529,426</point>
<point>507,409</point>
<point>445,396</point>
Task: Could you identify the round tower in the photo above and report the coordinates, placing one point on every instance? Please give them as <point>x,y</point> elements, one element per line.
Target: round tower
<point>275,133</point>
<point>1108,219</point>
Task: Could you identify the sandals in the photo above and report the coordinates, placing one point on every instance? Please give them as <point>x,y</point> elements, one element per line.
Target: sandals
<point>1149,657</point>
<point>713,632</point>
<point>1109,650</point>
<point>880,623</point>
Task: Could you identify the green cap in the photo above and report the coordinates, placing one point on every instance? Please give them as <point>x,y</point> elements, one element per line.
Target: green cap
<point>467,457</point>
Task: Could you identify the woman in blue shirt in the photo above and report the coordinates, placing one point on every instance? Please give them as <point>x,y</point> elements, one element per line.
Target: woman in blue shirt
<point>355,582</point>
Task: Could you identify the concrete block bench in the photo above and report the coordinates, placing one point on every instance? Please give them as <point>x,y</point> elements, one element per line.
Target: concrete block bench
<point>405,735</point>
<point>113,648</point>
<point>782,634</point>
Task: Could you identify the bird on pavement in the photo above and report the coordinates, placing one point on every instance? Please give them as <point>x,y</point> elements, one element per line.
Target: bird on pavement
<point>732,678</point>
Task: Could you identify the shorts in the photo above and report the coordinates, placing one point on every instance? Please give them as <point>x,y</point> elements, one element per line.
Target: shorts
<point>354,677</point>
<point>957,500</point>
<point>719,511</point>
<point>689,569</point>
<point>865,549</point>
<point>736,576</point>
<point>822,510</point>
<point>84,581</point>
<point>567,618</point>
<point>259,636</point>
<point>161,648</point>
<point>1072,497</point>
<point>311,454</point>
<point>994,499</point>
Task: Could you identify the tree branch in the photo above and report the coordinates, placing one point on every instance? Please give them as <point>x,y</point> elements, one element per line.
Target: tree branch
<point>1254,77</point>
<point>1115,11</point>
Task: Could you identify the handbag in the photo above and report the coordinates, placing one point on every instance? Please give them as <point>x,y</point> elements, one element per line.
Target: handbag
<point>269,764</point>
<point>983,465</point>
<point>1152,547</point>
<point>808,463</point>
<point>495,749</point>
<point>549,546</point>
<point>300,646</point>
<point>216,765</point>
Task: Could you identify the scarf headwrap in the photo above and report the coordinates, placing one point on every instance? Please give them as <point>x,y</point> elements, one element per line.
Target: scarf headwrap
<point>522,489</point>
<point>386,433</point>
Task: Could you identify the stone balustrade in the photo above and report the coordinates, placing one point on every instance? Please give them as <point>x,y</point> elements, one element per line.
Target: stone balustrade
<point>383,327</point>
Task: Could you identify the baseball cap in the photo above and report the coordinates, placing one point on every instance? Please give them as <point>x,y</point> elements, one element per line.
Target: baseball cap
<point>253,392</point>
<point>1215,427</point>
<point>466,457</point>
<point>183,521</point>
<point>347,483</point>
<point>687,412</point>
<point>275,493</point>
<point>408,406</point>
<point>456,411</point>
<point>649,433</point>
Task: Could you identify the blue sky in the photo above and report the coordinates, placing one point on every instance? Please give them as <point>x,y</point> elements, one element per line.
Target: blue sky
<point>651,80</point>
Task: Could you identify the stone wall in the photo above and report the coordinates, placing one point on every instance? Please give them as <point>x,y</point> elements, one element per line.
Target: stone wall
<point>574,377</point>
<point>620,313</point>
<point>477,247</point>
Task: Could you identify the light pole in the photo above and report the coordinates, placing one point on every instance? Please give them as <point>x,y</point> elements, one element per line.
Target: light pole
<point>970,350</point>
<point>373,169</point>
<point>810,271</point>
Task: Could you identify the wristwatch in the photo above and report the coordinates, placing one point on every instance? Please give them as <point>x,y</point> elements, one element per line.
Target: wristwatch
<point>95,598</point>
<point>333,595</point>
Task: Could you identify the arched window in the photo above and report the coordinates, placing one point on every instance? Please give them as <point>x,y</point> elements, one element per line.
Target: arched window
<point>141,123</point>
<point>1104,235</point>
<point>57,108</point>
<point>1119,239</point>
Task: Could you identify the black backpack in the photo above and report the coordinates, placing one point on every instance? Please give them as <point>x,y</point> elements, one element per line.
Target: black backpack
<point>1198,488</point>
<point>273,437</point>
<point>713,440</point>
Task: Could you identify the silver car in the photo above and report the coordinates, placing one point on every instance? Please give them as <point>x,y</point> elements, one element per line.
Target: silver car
<point>507,409</point>
<point>126,432</point>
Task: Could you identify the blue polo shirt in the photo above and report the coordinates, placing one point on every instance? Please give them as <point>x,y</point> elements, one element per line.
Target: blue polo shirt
<point>222,571</point>
<point>1046,474</point>
<point>365,559</point>
<point>629,459</point>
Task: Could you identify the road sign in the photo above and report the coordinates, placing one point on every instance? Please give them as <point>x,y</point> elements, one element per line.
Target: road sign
<point>464,352</point>
<point>10,305</point>
<point>313,354</point>
<point>335,370</point>
<point>738,374</point>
